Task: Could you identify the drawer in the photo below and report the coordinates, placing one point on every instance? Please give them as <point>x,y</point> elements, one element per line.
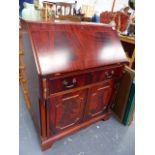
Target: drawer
<point>69,82</point>
<point>105,74</point>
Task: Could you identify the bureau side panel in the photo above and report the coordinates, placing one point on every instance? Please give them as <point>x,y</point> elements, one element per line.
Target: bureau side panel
<point>32,78</point>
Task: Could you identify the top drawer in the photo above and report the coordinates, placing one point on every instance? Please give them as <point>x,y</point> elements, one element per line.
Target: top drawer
<point>105,74</point>
<point>69,82</point>
<point>74,81</point>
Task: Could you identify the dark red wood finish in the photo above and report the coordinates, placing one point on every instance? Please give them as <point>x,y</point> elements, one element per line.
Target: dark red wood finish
<point>98,99</point>
<point>69,82</point>
<point>63,47</point>
<point>79,66</point>
<point>69,109</point>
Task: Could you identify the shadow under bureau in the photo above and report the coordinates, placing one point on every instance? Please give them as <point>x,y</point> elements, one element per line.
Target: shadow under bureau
<point>73,72</point>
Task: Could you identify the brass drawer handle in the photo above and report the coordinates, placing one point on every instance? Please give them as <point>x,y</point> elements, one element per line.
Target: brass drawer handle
<point>65,83</point>
<point>109,74</point>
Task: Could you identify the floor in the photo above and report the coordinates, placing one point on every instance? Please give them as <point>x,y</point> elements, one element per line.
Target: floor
<point>102,138</point>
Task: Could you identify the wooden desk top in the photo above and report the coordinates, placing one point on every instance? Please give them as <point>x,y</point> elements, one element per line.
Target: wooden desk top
<point>65,47</point>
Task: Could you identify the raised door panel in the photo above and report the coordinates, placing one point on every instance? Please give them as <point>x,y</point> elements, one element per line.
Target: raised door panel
<point>98,99</point>
<point>67,110</point>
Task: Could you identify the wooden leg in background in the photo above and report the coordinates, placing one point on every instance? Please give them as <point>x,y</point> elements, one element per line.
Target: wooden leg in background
<point>24,86</point>
<point>132,59</point>
<point>113,5</point>
<point>26,94</point>
<point>22,72</point>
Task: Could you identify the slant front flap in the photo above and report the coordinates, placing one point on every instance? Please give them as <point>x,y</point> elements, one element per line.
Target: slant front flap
<point>66,47</point>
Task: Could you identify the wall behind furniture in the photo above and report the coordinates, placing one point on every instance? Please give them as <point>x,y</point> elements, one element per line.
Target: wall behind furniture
<point>100,5</point>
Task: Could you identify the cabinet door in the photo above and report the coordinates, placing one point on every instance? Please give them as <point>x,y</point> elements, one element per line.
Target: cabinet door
<point>66,110</point>
<point>98,99</point>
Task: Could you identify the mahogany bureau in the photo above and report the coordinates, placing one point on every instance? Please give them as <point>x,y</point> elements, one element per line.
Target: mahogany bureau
<point>73,72</point>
